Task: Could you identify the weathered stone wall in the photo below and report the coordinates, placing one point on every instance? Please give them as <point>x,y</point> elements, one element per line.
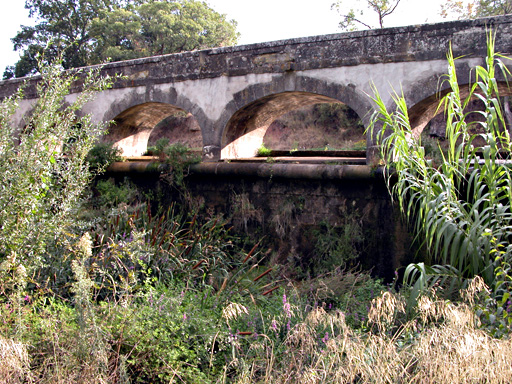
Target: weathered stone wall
<point>288,206</point>
<point>412,43</point>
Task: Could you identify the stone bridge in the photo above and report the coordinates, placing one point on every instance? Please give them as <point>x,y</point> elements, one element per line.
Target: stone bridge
<point>235,93</point>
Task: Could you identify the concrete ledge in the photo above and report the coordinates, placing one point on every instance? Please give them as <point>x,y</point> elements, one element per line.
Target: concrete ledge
<point>269,171</point>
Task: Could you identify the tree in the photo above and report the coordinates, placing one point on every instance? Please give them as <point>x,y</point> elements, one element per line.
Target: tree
<point>160,27</point>
<point>64,26</point>
<point>355,16</point>
<point>90,32</point>
<point>475,8</point>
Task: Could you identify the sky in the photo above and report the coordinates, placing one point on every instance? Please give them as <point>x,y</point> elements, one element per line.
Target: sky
<point>258,20</point>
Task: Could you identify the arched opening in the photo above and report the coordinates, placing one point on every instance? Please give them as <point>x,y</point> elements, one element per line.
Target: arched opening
<point>181,127</point>
<point>291,121</point>
<point>318,127</point>
<point>428,120</point>
<point>141,125</point>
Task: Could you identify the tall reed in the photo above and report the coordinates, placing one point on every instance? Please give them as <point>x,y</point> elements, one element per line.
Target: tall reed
<point>460,209</point>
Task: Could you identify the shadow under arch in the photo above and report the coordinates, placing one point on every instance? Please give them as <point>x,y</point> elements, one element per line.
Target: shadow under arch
<point>244,130</point>
<point>132,128</point>
<point>424,97</point>
<point>421,113</point>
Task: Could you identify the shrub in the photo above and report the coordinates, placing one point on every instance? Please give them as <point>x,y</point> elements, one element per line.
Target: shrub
<point>101,156</point>
<point>264,151</point>
<point>40,183</point>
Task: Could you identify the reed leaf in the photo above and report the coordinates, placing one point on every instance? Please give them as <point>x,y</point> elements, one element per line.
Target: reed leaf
<point>462,209</point>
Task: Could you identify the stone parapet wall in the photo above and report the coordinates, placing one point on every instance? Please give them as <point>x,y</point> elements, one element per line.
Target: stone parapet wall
<point>400,44</point>
<point>288,206</point>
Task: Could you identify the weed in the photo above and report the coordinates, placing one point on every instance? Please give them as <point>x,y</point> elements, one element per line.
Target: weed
<point>112,194</point>
<point>336,246</point>
<point>243,212</point>
<point>264,151</point>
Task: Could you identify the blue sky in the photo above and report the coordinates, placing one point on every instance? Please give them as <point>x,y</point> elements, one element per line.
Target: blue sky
<point>258,21</point>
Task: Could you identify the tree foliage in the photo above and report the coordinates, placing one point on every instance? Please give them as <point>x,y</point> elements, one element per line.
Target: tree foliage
<point>475,8</point>
<point>64,25</point>
<point>355,17</point>
<point>94,31</point>
<point>160,27</point>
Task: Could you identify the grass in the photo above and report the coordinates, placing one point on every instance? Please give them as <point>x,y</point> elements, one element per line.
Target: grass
<point>191,335</point>
<point>321,126</point>
<point>138,296</point>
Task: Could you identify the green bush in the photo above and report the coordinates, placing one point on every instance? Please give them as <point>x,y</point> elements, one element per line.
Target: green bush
<point>264,151</point>
<point>112,194</point>
<point>40,184</point>
<point>159,147</point>
<point>101,156</point>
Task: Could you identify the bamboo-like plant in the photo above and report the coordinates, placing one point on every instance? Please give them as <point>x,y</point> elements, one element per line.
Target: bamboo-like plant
<point>461,209</point>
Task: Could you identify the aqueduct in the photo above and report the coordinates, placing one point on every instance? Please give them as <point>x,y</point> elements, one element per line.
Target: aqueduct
<point>234,93</point>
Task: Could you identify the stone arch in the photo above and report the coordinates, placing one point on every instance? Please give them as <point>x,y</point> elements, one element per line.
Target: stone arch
<point>136,115</point>
<point>424,97</point>
<point>248,116</point>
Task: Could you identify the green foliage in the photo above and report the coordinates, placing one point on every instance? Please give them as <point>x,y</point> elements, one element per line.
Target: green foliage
<point>358,146</point>
<point>181,346</point>
<point>462,207</point>
<point>41,185</point>
<point>159,148</point>
<point>336,246</point>
<point>179,158</point>
<point>349,291</point>
<point>148,28</point>
<point>264,151</point>
<point>495,309</point>
<point>112,194</point>
<point>95,31</point>
<point>63,29</point>
<point>355,17</point>
<point>101,156</point>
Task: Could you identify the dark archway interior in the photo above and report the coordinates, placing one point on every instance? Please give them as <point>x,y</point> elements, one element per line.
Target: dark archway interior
<point>246,129</point>
<point>133,128</point>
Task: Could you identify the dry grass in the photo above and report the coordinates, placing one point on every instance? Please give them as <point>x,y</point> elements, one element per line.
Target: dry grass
<point>332,126</point>
<point>14,366</point>
<point>442,345</point>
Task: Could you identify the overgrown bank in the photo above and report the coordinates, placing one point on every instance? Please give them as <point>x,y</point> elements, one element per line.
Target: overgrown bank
<point>98,290</point>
